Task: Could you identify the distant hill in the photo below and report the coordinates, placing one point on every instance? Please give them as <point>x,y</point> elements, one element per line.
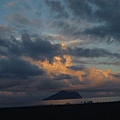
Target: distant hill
<point>64,95</point>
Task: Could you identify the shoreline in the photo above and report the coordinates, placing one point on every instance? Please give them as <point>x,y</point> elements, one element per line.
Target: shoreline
<point>89,111</point>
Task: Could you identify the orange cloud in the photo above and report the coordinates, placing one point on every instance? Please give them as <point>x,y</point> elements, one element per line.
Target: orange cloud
<point>64,46</point>
<point>97,77</point>
<point>92,77</point>
<point>57,67</point>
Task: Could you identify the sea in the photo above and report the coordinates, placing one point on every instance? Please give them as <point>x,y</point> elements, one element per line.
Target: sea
<point>59,102</point>
<point>80,101</point>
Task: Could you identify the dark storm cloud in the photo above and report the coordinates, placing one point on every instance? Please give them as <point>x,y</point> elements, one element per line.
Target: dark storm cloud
<point>36,48</point>
<point>10,47</point>
<point>39,48</point>
<point>98,11</point>
<point>96,52</point>
<point>57,8</point>
<point>4,83</point>
<point>18,68</point>
<point>12,52</point>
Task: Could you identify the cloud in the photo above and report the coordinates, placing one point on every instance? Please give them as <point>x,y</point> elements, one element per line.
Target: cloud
<point>7,83</point>
<point>14,2</point>
<point>13,99</point>
<point>18,68</point>
<point>79,8</point>
<point>13,66</point>
<point>72,28</point>
<point>116,63</point>
<point>75,78</point>
<point>95,20</point>
<point>58,75</point>
<point>48,84</point>
<point>62,54</point>
<point>102,11</point>
<point>116,75</point>
<point>50,66</point>
<point>39,48</point>
<point>34,47</point>
<point>104,94</point>
<point>62,77</point>
<point>57,67</point>
<point>76,68</point>
<point>10,4</point>
<point>5,31</point>
<point>57,8</point>
<point>21,19</point>
<point>32,63</point>
<point>94,52</point>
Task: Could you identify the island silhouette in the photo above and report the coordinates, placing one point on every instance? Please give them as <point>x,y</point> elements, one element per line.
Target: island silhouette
<point>64,95</point>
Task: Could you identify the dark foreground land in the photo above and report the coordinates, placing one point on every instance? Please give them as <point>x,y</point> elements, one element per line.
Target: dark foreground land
<point>93,111</point>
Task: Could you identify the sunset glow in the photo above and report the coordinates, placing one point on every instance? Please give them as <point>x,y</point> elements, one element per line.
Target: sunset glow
<point>52,45</point>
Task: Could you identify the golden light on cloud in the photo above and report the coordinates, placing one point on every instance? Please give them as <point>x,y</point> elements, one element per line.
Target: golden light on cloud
<point>91,77</point>
<point>64,46</point>
<point>105,73</point>
<point>98,77</point>
<point>62,65</point>
<point>57,67</point>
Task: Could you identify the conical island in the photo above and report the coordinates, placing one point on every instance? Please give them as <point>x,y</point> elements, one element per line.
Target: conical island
<point>64,95</point>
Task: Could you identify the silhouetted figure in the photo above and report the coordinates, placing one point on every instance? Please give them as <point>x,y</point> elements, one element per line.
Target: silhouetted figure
<point>67,103</point>
<point>84,102</point>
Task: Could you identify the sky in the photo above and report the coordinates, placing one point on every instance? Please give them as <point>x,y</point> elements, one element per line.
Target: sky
<point>52,45</point>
